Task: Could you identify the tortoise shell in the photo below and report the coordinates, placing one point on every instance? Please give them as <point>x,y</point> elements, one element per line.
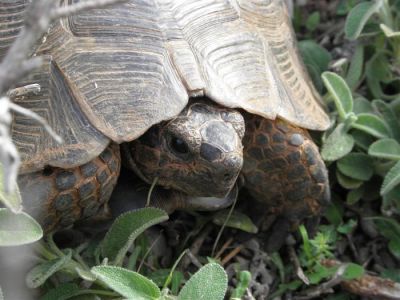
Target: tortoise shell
<point>110,74</point>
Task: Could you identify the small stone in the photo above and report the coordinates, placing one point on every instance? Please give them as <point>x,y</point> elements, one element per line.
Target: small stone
<point>296,139</point>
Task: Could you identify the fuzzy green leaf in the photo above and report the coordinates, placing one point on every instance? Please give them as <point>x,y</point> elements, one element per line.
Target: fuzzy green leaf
<point>348,182</point>
<point>389,32</point>
<point>39,274</point>
<point>362,105</point>
<point>126,229</point>
<point>362,139</point>
<point>210,282</point>
<point>338,144</point>
<point>373,125</point>
<point>385,148</point>
<point>62,292</point>
<point>18,229</point>
<point>356,67</point>
<point>340,93</point>
<point>358,17</point>
<point>314,54</point>
<point>236,220</point>
<point>129,284</point>
<point>356,165</point>
<point>378,71</point>
<point>391,179</point>
<point>316,59</point>
<point>11,200</point>
<point>389,116</point>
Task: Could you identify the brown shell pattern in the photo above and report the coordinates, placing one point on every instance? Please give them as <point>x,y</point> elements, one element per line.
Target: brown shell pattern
<point>124,68</point>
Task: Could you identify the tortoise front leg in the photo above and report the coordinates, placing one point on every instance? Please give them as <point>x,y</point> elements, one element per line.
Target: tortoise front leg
<point>59,197</point>
<point>284,171</point>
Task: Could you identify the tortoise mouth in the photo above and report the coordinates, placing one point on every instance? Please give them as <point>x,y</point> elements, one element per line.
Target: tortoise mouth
<point>203,185</point>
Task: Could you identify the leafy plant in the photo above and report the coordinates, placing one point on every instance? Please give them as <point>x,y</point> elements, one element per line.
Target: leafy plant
<point>365,141</point>
<point>113,277</point>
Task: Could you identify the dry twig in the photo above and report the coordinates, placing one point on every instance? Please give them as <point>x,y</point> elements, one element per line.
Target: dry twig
<point>369,286</point>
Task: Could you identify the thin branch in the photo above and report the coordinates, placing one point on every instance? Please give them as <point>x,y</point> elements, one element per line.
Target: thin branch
<point>370,286</point>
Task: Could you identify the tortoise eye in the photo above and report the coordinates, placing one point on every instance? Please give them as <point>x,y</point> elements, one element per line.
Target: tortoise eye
<point>178,145</point>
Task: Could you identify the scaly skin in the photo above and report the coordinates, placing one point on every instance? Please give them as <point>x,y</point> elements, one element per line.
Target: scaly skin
<point>284,171</point>
<point>60,197</point>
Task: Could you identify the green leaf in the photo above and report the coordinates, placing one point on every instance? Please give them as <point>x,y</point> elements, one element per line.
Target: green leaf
<point>355,195</point>
<point>394,247</point>
<point>39,274</point>
<point>10,200</point>
<point>355,71</point>
<point>340,93</point>
<point>389,32</point>
<point>337,144</point>
<point>18,229</point>
<point>316,59</point>
<point>236,220</point>
<point>385,148</point>
<point>390,229</point>
<point>391,179</point>
<point>347,227</point>
<point>378,70</point>
<point>320,272</point>
<point>353,271</point>
<point>242,285</point>
<point>306,242</point>
<point>129,284</point>
<point>358,17</point>
<point>312,21</point>
<point>356,165</point>
<point>334,213</point>
<point>393,274</point>
<point>126,229</point>
<point>362,139</point>
<point>389,116</point>
<point>62,292</point>
<point>313,54</point>
<point>160,276</point>
<point>373,125</point>
<point>348,182</point>
<point>362,105</point>
<point>210,282</point>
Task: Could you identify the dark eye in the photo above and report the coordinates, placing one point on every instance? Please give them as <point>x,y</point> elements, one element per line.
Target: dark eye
<point>178,145</point>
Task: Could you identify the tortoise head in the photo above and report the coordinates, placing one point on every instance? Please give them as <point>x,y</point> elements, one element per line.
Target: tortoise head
<point>199,152</point>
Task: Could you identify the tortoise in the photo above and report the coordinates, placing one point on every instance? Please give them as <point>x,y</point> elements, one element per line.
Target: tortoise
<point>194,94</point>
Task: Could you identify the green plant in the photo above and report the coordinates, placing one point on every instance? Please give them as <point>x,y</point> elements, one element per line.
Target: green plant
<point>108,271</point>
<point>365,141</point>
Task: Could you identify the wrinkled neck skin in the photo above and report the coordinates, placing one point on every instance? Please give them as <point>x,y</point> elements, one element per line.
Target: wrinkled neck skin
<point>199,153</point>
